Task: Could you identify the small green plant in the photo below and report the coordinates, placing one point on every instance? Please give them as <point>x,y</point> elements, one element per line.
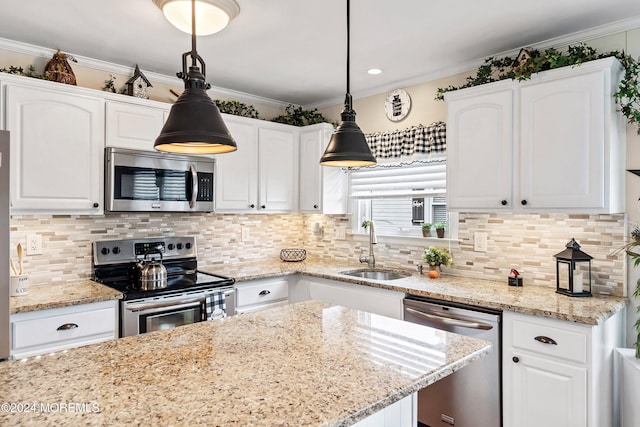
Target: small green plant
<point>110,84</point>
<point>426,226</point>
<point>237,108</point>
<point>437,257</point>
<point>440,225</point>
<point>630,250</point>
<point>494,69</point>
<point>31,72</point>
<point>365,223</point>
<point>296,116</point>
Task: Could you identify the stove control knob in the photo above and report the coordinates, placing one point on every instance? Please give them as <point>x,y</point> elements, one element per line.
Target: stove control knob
<point>179,246</point>
<point>170,246</point>
<point>187,245</point>
<point>116,250</point>
<point>105,251</point>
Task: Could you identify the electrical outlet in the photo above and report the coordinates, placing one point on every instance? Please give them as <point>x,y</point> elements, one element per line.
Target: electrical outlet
<point>34,244</point>
<point>341,233</point>
<point>244,234</point>
<point>479,241</point>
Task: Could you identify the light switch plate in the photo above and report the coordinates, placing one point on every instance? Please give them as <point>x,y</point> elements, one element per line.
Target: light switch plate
<point>245,235</point>
<point>480,241</point>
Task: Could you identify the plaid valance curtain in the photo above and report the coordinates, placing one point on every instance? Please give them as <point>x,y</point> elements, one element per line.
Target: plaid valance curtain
<point>417,142</point>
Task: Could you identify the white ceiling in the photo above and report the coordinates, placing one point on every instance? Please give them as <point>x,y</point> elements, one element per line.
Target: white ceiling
<point>295,50</point>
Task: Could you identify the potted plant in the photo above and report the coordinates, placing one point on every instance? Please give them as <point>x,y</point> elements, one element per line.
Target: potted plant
<point>436,258</point>
<point>426,229</point>
<point>440,226</point>
<point>634,255</point>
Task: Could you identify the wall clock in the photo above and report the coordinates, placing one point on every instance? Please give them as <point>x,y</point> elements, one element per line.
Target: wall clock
<point>397,105</point>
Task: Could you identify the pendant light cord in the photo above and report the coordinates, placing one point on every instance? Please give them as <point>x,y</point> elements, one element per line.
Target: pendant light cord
<point>348,102</point>
<point>194,53</point>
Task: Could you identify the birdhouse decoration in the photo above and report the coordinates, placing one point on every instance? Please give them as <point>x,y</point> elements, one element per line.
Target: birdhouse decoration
<point>573,271</point>
<point>137,85</point>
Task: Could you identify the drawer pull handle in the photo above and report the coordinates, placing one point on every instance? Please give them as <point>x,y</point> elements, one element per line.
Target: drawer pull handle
<point>545,340</point>
<point>67,326</point>
<point>515,359</point>
<point>265,292</point>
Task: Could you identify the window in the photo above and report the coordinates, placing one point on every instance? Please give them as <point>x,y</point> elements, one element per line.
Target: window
<point>401,197</point>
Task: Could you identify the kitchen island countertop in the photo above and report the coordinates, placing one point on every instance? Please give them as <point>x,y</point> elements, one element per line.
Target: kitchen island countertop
<point>308,364</point>
<point>533,300</point>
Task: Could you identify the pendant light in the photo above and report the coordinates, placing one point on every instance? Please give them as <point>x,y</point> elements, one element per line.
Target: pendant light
<point>348,146</point>
<point>194,125</point>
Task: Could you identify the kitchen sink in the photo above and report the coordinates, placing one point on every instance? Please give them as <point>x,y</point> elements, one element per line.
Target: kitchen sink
<point>376,274</point>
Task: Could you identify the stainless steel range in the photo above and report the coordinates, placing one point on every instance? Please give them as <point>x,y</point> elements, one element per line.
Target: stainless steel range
<point>187,296</point>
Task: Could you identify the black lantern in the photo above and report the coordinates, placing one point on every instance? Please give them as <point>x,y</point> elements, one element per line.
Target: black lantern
<point>573,271</point>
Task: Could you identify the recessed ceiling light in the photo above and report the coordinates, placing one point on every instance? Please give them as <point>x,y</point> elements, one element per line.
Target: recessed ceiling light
<point>374,71</point>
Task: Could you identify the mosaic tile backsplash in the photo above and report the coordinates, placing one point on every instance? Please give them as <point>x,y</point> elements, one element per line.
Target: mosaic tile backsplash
<point>525,242</point>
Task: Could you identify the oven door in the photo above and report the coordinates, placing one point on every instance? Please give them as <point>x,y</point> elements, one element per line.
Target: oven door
<point>167,312</point>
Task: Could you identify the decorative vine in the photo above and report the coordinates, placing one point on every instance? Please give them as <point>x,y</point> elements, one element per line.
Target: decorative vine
<point>296,116</point>
<point>236,108</point>
<point>494,69</point>
<point>31,72</point>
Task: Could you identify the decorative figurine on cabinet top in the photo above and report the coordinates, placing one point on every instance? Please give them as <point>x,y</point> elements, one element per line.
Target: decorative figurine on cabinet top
<point>137,85</point>
<point>59,70</point>
<point>573,271</point>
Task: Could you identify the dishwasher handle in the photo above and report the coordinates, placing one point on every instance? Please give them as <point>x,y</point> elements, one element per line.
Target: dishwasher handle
<point>449,320</point>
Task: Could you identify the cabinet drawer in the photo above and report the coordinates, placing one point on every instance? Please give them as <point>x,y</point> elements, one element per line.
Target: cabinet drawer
<point>570,344</point>
<point>46,330</point>
<point>260,293</point>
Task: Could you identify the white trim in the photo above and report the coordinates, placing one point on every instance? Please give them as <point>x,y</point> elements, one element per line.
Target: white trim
<point>605,30</point>
<point>97,64</point>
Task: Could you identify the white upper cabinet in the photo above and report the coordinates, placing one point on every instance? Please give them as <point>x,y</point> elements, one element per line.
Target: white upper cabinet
<point>261,176</point>
<point>322,189</point>
<point>57,148</point>
<point>133,126</point>
<point>236,174</point>
<point>554,143</point>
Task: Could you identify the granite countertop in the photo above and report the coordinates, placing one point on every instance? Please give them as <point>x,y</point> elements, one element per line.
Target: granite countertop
<point>533,300</point>
<point>62,294</point>
<point>308,364</point>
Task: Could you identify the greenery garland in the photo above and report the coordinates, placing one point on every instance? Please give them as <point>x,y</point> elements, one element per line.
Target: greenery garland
<point>236,108</point>
<point>494,69</point>
<point>296,116</point>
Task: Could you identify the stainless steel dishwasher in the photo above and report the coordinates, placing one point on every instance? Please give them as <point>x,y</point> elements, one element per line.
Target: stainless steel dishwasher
<point>470,397</point>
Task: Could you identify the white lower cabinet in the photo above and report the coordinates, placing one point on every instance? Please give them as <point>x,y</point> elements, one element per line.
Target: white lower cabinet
<point>373,300</point>
<point>45,331</point>
<point>399,414</point>
<point>557,373</point>
<point>257,295</point>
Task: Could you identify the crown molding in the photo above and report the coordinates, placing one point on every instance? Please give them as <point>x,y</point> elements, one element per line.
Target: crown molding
<point>97,64</point>
<point>623,25</point>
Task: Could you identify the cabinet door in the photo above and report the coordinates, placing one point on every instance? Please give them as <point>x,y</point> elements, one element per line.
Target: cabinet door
<point>277,166</point>
<point>479,152</point>
<point>132,126</point>
<point>57,149</point>
<point>311,149</point>
<point>562,143</point>
<point>544,392</point>
<point>237,172</point>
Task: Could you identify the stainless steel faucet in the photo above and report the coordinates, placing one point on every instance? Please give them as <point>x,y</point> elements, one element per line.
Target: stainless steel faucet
<point>373,239</point>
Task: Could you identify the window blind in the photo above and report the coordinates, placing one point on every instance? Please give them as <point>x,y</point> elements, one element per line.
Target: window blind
<point>406,180</point>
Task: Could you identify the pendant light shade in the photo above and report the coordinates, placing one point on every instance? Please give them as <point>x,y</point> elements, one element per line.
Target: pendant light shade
<point>348,146</point>
<point>194,125</point>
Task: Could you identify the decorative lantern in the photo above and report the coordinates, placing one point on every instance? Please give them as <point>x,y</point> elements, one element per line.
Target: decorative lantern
<point>573,271</point>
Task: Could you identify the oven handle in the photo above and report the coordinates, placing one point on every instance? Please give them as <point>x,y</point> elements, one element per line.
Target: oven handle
<point>194,186</point>
<point>173,304</point>
<point>449,320</point>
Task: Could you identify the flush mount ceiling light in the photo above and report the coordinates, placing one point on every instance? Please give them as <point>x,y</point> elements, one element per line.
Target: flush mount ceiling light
<point>212,15</point>
<point>348,147</point>
<point>194,125</point>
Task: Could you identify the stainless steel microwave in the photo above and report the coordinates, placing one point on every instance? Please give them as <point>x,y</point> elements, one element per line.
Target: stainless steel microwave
<point>148,181</point>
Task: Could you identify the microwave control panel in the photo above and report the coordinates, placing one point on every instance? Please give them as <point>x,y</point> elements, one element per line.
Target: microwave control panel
<point>205,187</point>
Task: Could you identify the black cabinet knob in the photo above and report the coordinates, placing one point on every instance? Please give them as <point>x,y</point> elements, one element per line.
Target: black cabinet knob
<point>515,359</point>
<point>263,206</point>
<point>252,206</point>
<point>523,202</point>
<point>503,203</point>
<point>315,206</point>
<point>95,205</point>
